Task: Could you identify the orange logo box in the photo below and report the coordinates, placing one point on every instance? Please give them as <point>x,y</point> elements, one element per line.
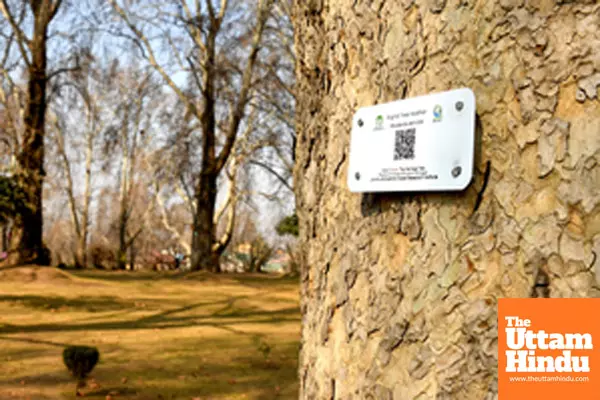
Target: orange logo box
<point>548,349</point>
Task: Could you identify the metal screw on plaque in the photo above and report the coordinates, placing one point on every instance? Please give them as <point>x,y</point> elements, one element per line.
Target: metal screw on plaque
<point>456,171</point>
<point>357,176</point>
<point>459,105</point>
<point>360,123</point>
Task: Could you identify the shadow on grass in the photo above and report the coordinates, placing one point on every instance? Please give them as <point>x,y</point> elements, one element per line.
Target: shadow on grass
<point>164,322</point>
<point>252,280</point>
<point>156,374</point>
<point>182,375</point>
<point>112,391</point>
<point>265,280</point>
<point>228,315</point>
<point>33,341</point>
<point>87,303</point>
<point>135,276</point>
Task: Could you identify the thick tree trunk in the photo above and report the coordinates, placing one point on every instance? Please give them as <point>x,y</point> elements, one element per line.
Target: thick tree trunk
<point>399,290</point>
<point>27,237</point>
<point>203,236</point>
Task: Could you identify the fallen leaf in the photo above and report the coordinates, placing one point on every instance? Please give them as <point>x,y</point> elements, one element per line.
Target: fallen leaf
<point>232,381</point>
<point>22,382</point>
<point>124,380</point>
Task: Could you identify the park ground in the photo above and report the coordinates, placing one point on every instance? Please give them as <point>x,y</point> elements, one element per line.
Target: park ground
<point>160,336</point>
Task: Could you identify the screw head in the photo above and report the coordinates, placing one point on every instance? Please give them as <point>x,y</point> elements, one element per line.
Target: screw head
<point>357,176</point>
<point>459,105</point>
<point>360,123</point>
<point>456,172</point>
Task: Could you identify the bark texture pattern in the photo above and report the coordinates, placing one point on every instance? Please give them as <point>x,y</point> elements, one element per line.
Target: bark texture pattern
<point>400,291</point>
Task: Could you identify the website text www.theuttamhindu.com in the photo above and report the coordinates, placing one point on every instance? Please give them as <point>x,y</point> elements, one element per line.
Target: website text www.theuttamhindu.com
<point>529,379</point>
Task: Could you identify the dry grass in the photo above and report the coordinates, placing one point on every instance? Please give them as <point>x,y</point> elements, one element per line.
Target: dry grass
<point>160,336</point>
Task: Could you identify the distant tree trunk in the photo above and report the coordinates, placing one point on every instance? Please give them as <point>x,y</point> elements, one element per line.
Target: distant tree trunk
<point>124,208</point>
<point>399,291</point>
<point>87,197</point>
<point>122,250</point>
<point>132,253</point>
<point>203,236</point>
<point>5,243</point>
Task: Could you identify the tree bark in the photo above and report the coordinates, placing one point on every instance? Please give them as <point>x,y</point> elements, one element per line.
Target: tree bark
<point>399,291</point>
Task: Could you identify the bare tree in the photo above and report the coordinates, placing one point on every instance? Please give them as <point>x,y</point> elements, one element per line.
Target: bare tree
<point>138,91</point>
<point>84,108</point>
<point>234,190</point>
<point>222,82</point>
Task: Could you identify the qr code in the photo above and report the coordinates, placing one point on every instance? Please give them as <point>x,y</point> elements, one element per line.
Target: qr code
<point>404,148</point>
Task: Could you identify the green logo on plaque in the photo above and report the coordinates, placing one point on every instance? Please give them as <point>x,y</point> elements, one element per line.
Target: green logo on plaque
<point>379,122</point>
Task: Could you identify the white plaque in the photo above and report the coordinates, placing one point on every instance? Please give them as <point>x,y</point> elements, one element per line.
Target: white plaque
<point>421,144</point>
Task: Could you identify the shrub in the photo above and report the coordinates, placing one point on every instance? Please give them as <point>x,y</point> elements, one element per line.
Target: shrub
<point>12,198</point>
<point>101,256</point>
<point>260,252</point>
<point>80,360</point>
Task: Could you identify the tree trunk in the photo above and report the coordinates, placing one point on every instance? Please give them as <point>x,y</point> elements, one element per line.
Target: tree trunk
<point>5,237</point>
<point>27,238</point>
<point>203,236</point>
<point>87,193</point>
<point>85,215</point>
<point>124,194</point>
<point>399,290</point>
<point>132,254</point>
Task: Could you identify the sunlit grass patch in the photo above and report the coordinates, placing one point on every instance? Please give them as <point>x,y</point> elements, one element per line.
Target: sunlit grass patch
<point>158,335</point>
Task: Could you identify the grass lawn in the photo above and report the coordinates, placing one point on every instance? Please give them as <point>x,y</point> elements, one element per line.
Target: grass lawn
<point>160,336</point>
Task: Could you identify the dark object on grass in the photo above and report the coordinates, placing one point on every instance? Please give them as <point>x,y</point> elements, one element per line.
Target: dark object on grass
<point>80,360</point>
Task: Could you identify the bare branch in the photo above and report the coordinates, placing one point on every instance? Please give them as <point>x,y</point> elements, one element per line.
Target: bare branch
<point>153,61</point>
<point>64,70</point>
<point>22,40</point>
<point>54,9</point>
<point>272,172</point>
<point>238,112</point>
